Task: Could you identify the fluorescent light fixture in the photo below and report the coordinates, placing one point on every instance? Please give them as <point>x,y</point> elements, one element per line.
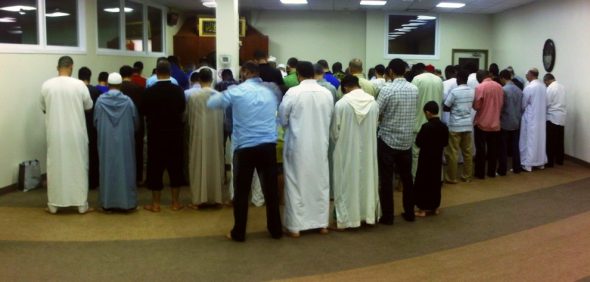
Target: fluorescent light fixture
<point>15,31</point>
<point>18,8</point>
<point>373,3</point>
<point>417,21</point>
<point>426,18</point>
<point>210,3</point>
<point>116,10</point>
<point>56,14</point>
<point>413,24</point>
<point>398,32</point>
<point>404,29</point>
<point>450,5</point>
<point>294,2</point>
<point>7,20</point>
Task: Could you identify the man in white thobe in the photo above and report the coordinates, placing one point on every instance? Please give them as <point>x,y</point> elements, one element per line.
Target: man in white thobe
<point>64,99</point>
<point>306,113</point>
<point>356,178</point>
<point>556,117</point>
<point>205,135</point>
<point>534,117</point>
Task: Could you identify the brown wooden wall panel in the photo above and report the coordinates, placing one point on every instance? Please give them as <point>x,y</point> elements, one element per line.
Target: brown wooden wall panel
<point>189,47</point>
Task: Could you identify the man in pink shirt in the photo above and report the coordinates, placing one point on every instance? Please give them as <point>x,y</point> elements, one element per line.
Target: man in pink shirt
<point>489,98</point>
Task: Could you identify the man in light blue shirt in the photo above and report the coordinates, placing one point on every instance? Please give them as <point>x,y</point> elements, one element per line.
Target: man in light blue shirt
<point>254,139</point>
<point>459,103</point>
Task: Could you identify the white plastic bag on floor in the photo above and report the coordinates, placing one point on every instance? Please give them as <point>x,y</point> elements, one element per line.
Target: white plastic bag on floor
<point>29,175</point>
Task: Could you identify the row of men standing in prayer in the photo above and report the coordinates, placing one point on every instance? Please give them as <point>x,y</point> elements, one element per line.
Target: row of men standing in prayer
<point>506,119</point>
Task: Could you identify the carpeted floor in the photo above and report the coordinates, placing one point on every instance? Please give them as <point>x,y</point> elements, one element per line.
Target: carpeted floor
<point>531,226</point>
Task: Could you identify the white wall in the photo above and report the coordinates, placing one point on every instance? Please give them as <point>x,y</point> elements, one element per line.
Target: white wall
<point>22,124</point>
<point>519,36</point>
<point>333,36</point>
<point>457,31</point>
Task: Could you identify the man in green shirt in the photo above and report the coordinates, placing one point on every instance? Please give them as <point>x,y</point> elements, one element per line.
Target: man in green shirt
<point>291,79</point>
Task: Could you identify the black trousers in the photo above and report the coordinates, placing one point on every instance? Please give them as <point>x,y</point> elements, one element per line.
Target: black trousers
<point>486,148</point>
<point>555,144</point>
<point>400,160</point>
<point>165,150</point>
<point>263,158</point>
<point>509,141</point>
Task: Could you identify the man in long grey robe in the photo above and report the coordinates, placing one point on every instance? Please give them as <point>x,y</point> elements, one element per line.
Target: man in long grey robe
<point>356,178</point>
<point>205,133</point>
<point>306,112</point>
<point>533,123</point>
<point>116,120</point>
<point>64,99</point>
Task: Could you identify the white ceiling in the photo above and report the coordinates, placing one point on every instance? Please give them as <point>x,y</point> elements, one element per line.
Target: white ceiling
<point>472,6</point>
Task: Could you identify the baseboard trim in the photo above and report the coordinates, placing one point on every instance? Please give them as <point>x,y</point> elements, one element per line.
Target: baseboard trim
<point>577,161</point>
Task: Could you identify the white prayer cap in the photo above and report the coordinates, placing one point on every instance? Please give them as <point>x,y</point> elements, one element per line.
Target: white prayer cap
<point>115,79</point>
<point>272,59</point>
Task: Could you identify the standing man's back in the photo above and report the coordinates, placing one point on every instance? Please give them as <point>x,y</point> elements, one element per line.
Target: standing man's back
<point>534,123</point>
<point>64,100</point>
<point>306,113</point>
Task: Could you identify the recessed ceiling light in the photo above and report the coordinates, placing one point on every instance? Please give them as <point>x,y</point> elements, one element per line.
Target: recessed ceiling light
<point>294,2</point>
<point>116,10</point>
<point>373,3</point>
<point>18,8</point>
<point>426,18</point>
<point>56,14</point>
<point>7,20</point>
<point>450,5</point>
<point>209,3</point>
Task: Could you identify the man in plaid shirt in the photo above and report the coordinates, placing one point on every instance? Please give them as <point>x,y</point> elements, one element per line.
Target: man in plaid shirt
<point>397,114</point>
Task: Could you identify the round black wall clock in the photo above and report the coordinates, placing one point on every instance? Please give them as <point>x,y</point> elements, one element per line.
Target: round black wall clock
<point>549,55</point>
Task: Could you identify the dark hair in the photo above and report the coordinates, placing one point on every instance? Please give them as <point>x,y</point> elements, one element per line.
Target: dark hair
<point>418,68</point>
<point>548,76</point>
<point>226,73</point>
<point>450,72</point>
<point>163,67</point>
<point>194,76</point>
<point>371,73</point>
<point>138,65</point>
<point>103,76</point>
<point>380,69</point>
<point>173,60</point>
<point>305,69</point>
<point>65,62</point>
<point>505,74</point>
<point>462,76</point>
<point>323,63</point>
<point>260,55</point>
<point>318,69</point>
<point>292,62</point>
<point>337,67</point>
<point>251,67</point>
<point>126,71</point>
<point>431,107</point>
<point>84,73</point>
<point>205,75</point>
<point>350,80</point>
<point>398,66</point>
<point>494,69</point>
<point>482,74</point>
<point>535,73</point>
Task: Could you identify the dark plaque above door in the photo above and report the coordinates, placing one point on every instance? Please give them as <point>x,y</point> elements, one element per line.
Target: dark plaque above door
<point>549,55</point>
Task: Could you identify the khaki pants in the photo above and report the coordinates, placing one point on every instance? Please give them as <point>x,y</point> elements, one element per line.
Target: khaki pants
<point>459,141</point>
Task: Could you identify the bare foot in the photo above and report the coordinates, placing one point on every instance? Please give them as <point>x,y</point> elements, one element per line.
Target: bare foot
<point>192,206</point>
<point>228,236</point>
<point>152,208</point>
<point>177,207</point>
<point>49,212</point>
<point>324,231</point>
<point>437,211</point>
<point>292,234</point>
<point>420,213</point>
<point>89,210</point>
